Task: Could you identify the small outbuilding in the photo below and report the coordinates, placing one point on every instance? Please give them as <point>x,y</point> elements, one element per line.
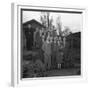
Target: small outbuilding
<point>29,30</point>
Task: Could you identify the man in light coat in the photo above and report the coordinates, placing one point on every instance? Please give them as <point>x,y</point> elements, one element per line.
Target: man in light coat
<point>47,53</point>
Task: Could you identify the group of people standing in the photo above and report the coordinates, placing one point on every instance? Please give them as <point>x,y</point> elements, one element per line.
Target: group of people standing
<point>52,48</point>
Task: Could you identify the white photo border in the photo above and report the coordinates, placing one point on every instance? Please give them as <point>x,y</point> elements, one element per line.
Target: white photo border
<point>16,49</point>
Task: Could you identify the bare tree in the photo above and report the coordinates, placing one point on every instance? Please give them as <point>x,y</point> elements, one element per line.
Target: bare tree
<point>51,23</point>
<point>59,25</point>
<point>44,18</point>
<point>67,31</point>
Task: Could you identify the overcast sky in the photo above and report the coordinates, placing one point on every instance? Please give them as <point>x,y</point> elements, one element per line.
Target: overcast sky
<point>73,21</point>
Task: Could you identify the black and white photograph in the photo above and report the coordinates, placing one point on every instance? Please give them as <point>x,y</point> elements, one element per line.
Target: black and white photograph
<point>50,43</point>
